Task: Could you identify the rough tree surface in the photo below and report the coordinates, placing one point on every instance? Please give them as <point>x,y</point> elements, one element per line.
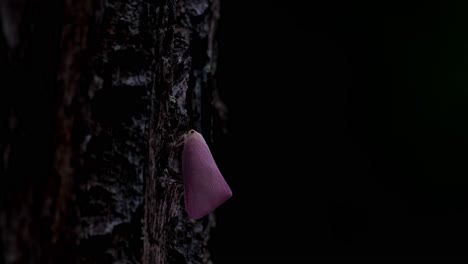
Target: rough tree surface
<point>95,98</point>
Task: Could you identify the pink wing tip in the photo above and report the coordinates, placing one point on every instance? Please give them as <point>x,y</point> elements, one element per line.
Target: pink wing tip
<point>196,214</point>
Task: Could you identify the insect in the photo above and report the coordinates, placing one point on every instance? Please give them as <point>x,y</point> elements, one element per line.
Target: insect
<point>205,187</point>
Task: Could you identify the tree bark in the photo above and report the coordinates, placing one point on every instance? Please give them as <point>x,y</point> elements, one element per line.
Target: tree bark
<point>95,98</point>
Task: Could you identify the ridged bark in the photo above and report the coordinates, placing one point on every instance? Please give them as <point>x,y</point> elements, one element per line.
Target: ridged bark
<point>95,98</point>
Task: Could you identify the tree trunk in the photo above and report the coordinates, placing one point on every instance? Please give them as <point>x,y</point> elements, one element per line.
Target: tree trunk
<point>95,98</point>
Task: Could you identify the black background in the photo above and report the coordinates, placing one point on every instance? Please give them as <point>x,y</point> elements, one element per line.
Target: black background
<point>348,130</point>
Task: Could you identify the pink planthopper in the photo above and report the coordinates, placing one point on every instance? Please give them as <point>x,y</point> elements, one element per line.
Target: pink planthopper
<point>205,187</point>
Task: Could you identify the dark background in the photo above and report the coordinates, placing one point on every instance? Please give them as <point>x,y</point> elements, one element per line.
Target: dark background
<point>348,130</point>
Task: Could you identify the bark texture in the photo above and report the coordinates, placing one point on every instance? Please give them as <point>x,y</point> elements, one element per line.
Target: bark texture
<point>95,99</point>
